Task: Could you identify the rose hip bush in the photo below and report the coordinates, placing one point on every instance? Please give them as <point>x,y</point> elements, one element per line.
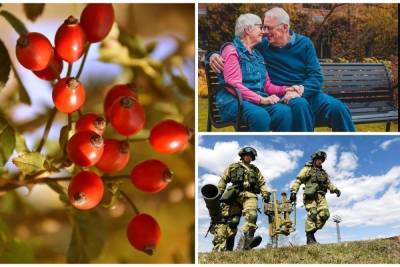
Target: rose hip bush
<point>93,145</point>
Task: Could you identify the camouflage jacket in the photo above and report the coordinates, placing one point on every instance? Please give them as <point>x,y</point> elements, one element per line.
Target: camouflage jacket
<point>248,178</point>
<point>313,174</point>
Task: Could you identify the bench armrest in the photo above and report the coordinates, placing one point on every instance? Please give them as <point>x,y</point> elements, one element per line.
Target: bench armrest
<point>238,95</point>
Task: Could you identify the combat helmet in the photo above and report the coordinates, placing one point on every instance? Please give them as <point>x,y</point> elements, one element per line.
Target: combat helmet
<point>319,155</point>
<point>248,150</point>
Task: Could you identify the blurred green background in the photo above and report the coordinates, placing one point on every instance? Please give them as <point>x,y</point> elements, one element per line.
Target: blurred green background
<point>151,45</point>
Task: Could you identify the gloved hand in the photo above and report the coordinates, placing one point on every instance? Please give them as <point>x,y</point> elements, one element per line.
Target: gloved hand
<point>337,192</point>
<point>267,198</point>
<point>293,197</point>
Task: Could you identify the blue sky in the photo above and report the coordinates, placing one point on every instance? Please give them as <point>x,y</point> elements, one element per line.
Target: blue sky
<point>365,168</point>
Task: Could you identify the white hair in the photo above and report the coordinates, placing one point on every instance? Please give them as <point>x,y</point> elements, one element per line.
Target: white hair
<point>244,21</point>
<point>279,14</point>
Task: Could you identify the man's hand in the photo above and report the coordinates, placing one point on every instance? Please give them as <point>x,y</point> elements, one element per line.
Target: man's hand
<point>337,192</point>
<point>289,95</point>
<point>267,198</point>
<point>270,100</point>
<point>216,63</point>
<point>293,197</point>
<point>296,88</point>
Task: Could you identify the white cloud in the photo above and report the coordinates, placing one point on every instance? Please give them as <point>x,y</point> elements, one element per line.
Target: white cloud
<point>200,139</point>
<point>272,163</point>
<point>208,179</point>
<point>385,145</point>
<point>340,165</point>
<point>203,211</point>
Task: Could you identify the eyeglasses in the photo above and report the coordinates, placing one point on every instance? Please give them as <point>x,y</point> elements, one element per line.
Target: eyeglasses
<point>259,25</point>
<point>270,28</point>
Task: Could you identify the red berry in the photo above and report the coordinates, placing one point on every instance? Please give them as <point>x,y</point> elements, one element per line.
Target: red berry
<point>127,115</point>
<point>68,95</point>
<point>115,156</point>
<point>144,233</point>
<point>97,21</point>
<point>34,51</point>
<point>151,176</point>
<point>85,148</point>
<point>169,137</point>
<point>91,122</point>
<point>52,71</point>
<point>85,190</point>
<point>114,93</point>
<point>70,40</point>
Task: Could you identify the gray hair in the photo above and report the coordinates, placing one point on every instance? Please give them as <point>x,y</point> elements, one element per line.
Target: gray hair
<point>279,14</point>
<point>244,21</point>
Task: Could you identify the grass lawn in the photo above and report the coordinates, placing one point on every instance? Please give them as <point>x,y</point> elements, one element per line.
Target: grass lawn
<point>203,109</point>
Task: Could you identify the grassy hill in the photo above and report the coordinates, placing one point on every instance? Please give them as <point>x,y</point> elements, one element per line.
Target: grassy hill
<point>366,252</point>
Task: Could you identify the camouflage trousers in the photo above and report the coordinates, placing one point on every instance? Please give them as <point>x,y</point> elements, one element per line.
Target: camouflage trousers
<point>317,212</point>
<point>246,204</point>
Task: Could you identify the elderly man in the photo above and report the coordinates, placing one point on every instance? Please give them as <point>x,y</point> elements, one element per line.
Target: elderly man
<point>291,59</point>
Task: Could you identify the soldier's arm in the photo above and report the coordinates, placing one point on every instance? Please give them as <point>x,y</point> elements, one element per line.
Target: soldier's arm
<point>261,184</point>
<point>332,188</point>
<point>300,178</point>
<point>225,179</point>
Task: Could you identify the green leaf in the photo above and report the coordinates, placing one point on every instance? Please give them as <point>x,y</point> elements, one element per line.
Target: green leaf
<point>18,26</point>
<point>88,237</point>
<point>183,85</point>
<point>7,141</point>
<point>20,144</point>
<point>59,190</point>
<point>16,251</point>
<point>5,66</point>
<point>33,11</point>
<point>29,162</point>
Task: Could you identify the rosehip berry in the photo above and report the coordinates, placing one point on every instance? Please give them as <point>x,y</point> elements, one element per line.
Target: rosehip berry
<point>91,122</point>
<point>85,190</point>
<point>52,71</point>
<point>127,115</point>
<point>96,21</point>
<point>114,93</point>
<point>70,40</point>
<point>115,156</point>
<point>34,51</point>
<point>144,233</point>
<point>68,95</point>
<point>151,176</point>
<point>169,137</point>
<point>85,148</point>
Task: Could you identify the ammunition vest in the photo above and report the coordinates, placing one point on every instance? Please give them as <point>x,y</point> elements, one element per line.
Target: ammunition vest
<point>317,181</point>
<point>246,179</point>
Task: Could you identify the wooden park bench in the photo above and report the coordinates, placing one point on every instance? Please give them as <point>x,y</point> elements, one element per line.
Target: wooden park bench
<point>365,88</point>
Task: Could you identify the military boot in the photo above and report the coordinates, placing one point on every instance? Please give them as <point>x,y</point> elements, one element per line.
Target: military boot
<point>310,238</point>
<point>251,241</point>
<point>230,243</point>
<point>313,237</point>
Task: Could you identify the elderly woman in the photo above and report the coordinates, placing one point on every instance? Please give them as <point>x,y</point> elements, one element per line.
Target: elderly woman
<point>244,68</point>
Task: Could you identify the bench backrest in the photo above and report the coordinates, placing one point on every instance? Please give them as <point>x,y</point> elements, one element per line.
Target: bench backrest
<point>357,82</point>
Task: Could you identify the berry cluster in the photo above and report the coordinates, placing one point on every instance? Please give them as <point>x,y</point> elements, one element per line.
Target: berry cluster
<point>122,110</point>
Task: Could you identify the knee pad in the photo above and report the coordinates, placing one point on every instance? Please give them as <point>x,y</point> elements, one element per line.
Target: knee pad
<point>324,214</point>
<point>251,216</point>
<point>234,222</point>
<point>313,213</point>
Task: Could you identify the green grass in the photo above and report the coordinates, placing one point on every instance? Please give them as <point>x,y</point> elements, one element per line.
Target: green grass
<point>203,111</point>
<point>365,252</point>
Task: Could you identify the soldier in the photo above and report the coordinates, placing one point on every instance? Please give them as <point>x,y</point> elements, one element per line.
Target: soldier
<point>225,231</point>
<point>241,196</point>
<point>317,183</point>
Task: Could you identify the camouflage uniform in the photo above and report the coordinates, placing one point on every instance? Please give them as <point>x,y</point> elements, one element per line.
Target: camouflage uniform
<point>225,230</point>
<point>250,182</point>
<point>317,183</point>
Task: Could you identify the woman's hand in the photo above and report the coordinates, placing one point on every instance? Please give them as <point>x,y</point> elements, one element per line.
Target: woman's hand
<point>217,63</point>
<point>270,100</point>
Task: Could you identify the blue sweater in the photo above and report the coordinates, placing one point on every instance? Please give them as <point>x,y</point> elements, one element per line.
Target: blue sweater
<point>295,63</point>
